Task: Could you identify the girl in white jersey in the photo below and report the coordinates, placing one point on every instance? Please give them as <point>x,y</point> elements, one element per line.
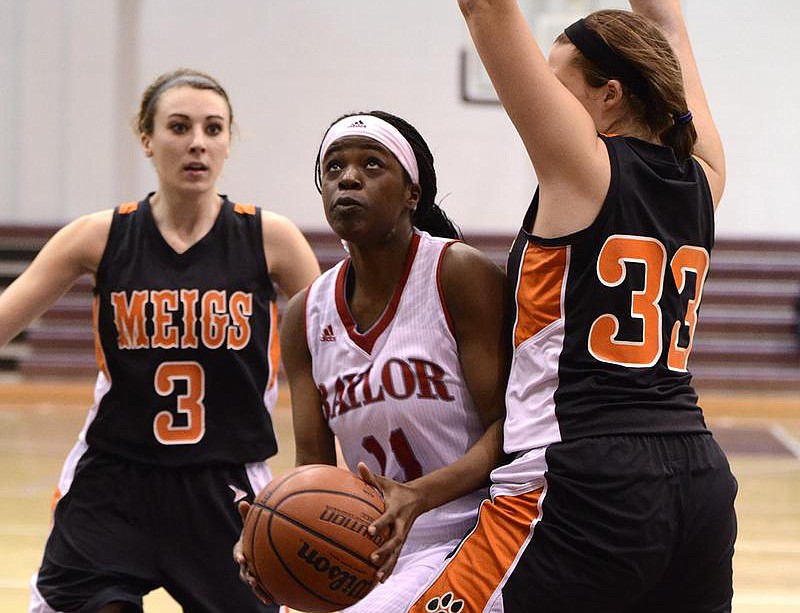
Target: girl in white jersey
<point>397,351</point>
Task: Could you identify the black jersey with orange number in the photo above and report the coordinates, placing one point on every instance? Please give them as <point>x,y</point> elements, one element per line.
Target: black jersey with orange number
<point>186,342</point>
<point>604,318</point>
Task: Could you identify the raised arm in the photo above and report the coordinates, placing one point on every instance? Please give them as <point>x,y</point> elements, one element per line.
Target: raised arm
<point>571,162</point>
<point>314,441</point>
<point>708,148</point>
<point>74,250</point>
<point>477,309</point>
<point>291,262</point>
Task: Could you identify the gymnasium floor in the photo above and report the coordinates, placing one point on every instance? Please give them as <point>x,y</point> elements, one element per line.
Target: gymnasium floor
<point>39,423</point>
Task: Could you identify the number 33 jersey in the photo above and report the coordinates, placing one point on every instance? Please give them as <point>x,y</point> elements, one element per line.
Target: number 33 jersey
<point>605,318</point>
<point>394,395</point>
<point>186,342</point>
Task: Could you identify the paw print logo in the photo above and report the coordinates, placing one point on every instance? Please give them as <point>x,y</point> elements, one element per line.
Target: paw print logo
<point>444,604</point>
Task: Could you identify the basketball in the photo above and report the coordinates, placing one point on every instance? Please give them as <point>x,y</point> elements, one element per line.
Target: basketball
<point>306,541</point>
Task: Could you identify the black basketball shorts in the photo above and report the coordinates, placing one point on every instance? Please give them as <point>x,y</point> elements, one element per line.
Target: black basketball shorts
<point>612,524</point>
<point>124,529</point>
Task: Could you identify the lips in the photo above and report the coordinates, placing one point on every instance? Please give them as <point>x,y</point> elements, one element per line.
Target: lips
<point>346,202</point>
<point>195,167</point>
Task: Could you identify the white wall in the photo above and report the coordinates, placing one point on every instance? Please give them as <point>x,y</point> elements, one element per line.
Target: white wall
<point>72,71</point>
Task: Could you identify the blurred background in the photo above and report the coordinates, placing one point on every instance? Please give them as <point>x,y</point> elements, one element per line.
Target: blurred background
<point>72,72</point>
<point>71,76</point>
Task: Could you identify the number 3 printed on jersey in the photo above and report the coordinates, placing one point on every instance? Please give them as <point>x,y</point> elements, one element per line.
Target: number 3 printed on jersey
<point>617,252</point>
<point>190,403</point>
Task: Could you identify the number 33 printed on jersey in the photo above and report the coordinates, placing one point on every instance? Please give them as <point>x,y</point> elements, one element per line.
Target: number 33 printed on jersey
<point>615,256</point>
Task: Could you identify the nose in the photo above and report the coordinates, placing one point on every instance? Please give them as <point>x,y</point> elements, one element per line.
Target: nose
<point>350,178</point>
<point>198,144</point>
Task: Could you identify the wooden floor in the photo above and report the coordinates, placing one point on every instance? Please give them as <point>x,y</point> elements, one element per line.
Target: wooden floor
<point>39,423</point>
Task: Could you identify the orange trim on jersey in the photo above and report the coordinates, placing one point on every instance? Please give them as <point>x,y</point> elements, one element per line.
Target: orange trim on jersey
<point>245,209</point>
<point>483,560</point>
<point>128,207</point>
<point>274,345</point>
<point>54,501</point>
<point>99,355</point>
<point>542,276</point>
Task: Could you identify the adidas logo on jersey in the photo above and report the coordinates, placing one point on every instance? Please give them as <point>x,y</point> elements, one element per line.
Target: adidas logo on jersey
<point>444,604</point>
<point>327,334</point>
<point>357,124</point>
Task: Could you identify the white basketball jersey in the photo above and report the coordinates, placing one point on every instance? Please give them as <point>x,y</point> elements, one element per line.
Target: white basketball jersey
<point>394,395</point>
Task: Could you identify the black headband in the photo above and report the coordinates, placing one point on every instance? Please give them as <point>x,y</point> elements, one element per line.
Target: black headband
<point>597,51</point>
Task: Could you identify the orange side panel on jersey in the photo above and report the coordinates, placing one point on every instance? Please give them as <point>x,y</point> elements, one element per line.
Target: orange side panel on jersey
<point>486,555</point>
<point>539,292</point>
<point>128,207</point>
<point>99,356</point>
<point>54,501</point>
<point>274,346</point>
<point>245,209</point>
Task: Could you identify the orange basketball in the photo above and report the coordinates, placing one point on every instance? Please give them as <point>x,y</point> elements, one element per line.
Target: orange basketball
<point>305,538</point>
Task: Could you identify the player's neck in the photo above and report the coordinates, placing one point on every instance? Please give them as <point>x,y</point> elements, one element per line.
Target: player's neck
<point>377,270</point>
<point>184,220</point>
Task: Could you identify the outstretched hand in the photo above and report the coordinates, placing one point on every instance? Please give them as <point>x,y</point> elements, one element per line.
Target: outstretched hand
<point>403,504</point>
<point>244,571</point>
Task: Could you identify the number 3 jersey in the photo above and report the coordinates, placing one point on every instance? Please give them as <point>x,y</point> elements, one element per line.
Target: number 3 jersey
<point>186,342</point>
<point>604,318</point>
<point>394,395</point>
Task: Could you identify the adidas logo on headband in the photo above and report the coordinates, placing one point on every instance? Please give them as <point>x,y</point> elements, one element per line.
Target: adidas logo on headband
<point>377,129</point>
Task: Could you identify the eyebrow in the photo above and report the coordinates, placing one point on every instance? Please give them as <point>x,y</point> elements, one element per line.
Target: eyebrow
<point>372,144</point>
<point>184,116</point>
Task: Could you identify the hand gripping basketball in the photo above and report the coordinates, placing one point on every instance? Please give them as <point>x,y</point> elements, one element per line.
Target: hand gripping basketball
<point>306,539</point>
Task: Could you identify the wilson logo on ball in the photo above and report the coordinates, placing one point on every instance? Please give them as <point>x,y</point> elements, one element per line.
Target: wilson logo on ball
<point>340,580</point>
<point>348,522</point>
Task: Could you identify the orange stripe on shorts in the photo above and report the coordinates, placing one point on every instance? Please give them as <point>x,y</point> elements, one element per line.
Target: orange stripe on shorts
<point>480,565</point>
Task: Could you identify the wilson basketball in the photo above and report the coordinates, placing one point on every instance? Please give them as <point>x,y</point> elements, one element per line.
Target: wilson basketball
<point>306,541</point>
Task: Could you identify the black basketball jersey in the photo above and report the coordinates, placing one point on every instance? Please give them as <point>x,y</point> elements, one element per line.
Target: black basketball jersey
<point>604,317</point>
<point>186,342</point>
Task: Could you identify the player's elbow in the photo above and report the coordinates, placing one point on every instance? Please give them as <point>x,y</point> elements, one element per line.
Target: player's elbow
<point>470,8</point>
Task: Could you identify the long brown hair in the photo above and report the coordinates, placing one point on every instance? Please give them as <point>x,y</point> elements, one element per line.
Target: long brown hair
<point>641,44</point>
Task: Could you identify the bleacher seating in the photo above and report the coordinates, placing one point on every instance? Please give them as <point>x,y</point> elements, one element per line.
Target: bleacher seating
<point>746,336</point>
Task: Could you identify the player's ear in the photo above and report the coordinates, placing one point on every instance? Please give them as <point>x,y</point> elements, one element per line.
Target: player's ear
<point>613,94</point>
<point>146,143</point>
<point>414,193</point>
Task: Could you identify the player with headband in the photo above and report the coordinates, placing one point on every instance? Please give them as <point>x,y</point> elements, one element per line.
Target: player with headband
<point>397,351</point>
<point>618,498</point>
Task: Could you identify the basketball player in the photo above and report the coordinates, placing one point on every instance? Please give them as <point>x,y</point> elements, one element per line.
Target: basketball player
<point>184,312</point>
<point>618,499</point>
<point>397,351</point>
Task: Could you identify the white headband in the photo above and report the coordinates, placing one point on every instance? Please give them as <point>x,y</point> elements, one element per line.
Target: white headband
<point>379,130</point>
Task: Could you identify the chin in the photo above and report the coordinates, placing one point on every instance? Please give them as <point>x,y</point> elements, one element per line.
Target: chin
<point>197,188</point>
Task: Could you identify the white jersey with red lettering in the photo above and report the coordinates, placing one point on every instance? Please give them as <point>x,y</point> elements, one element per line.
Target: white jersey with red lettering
<point>394,395</point>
